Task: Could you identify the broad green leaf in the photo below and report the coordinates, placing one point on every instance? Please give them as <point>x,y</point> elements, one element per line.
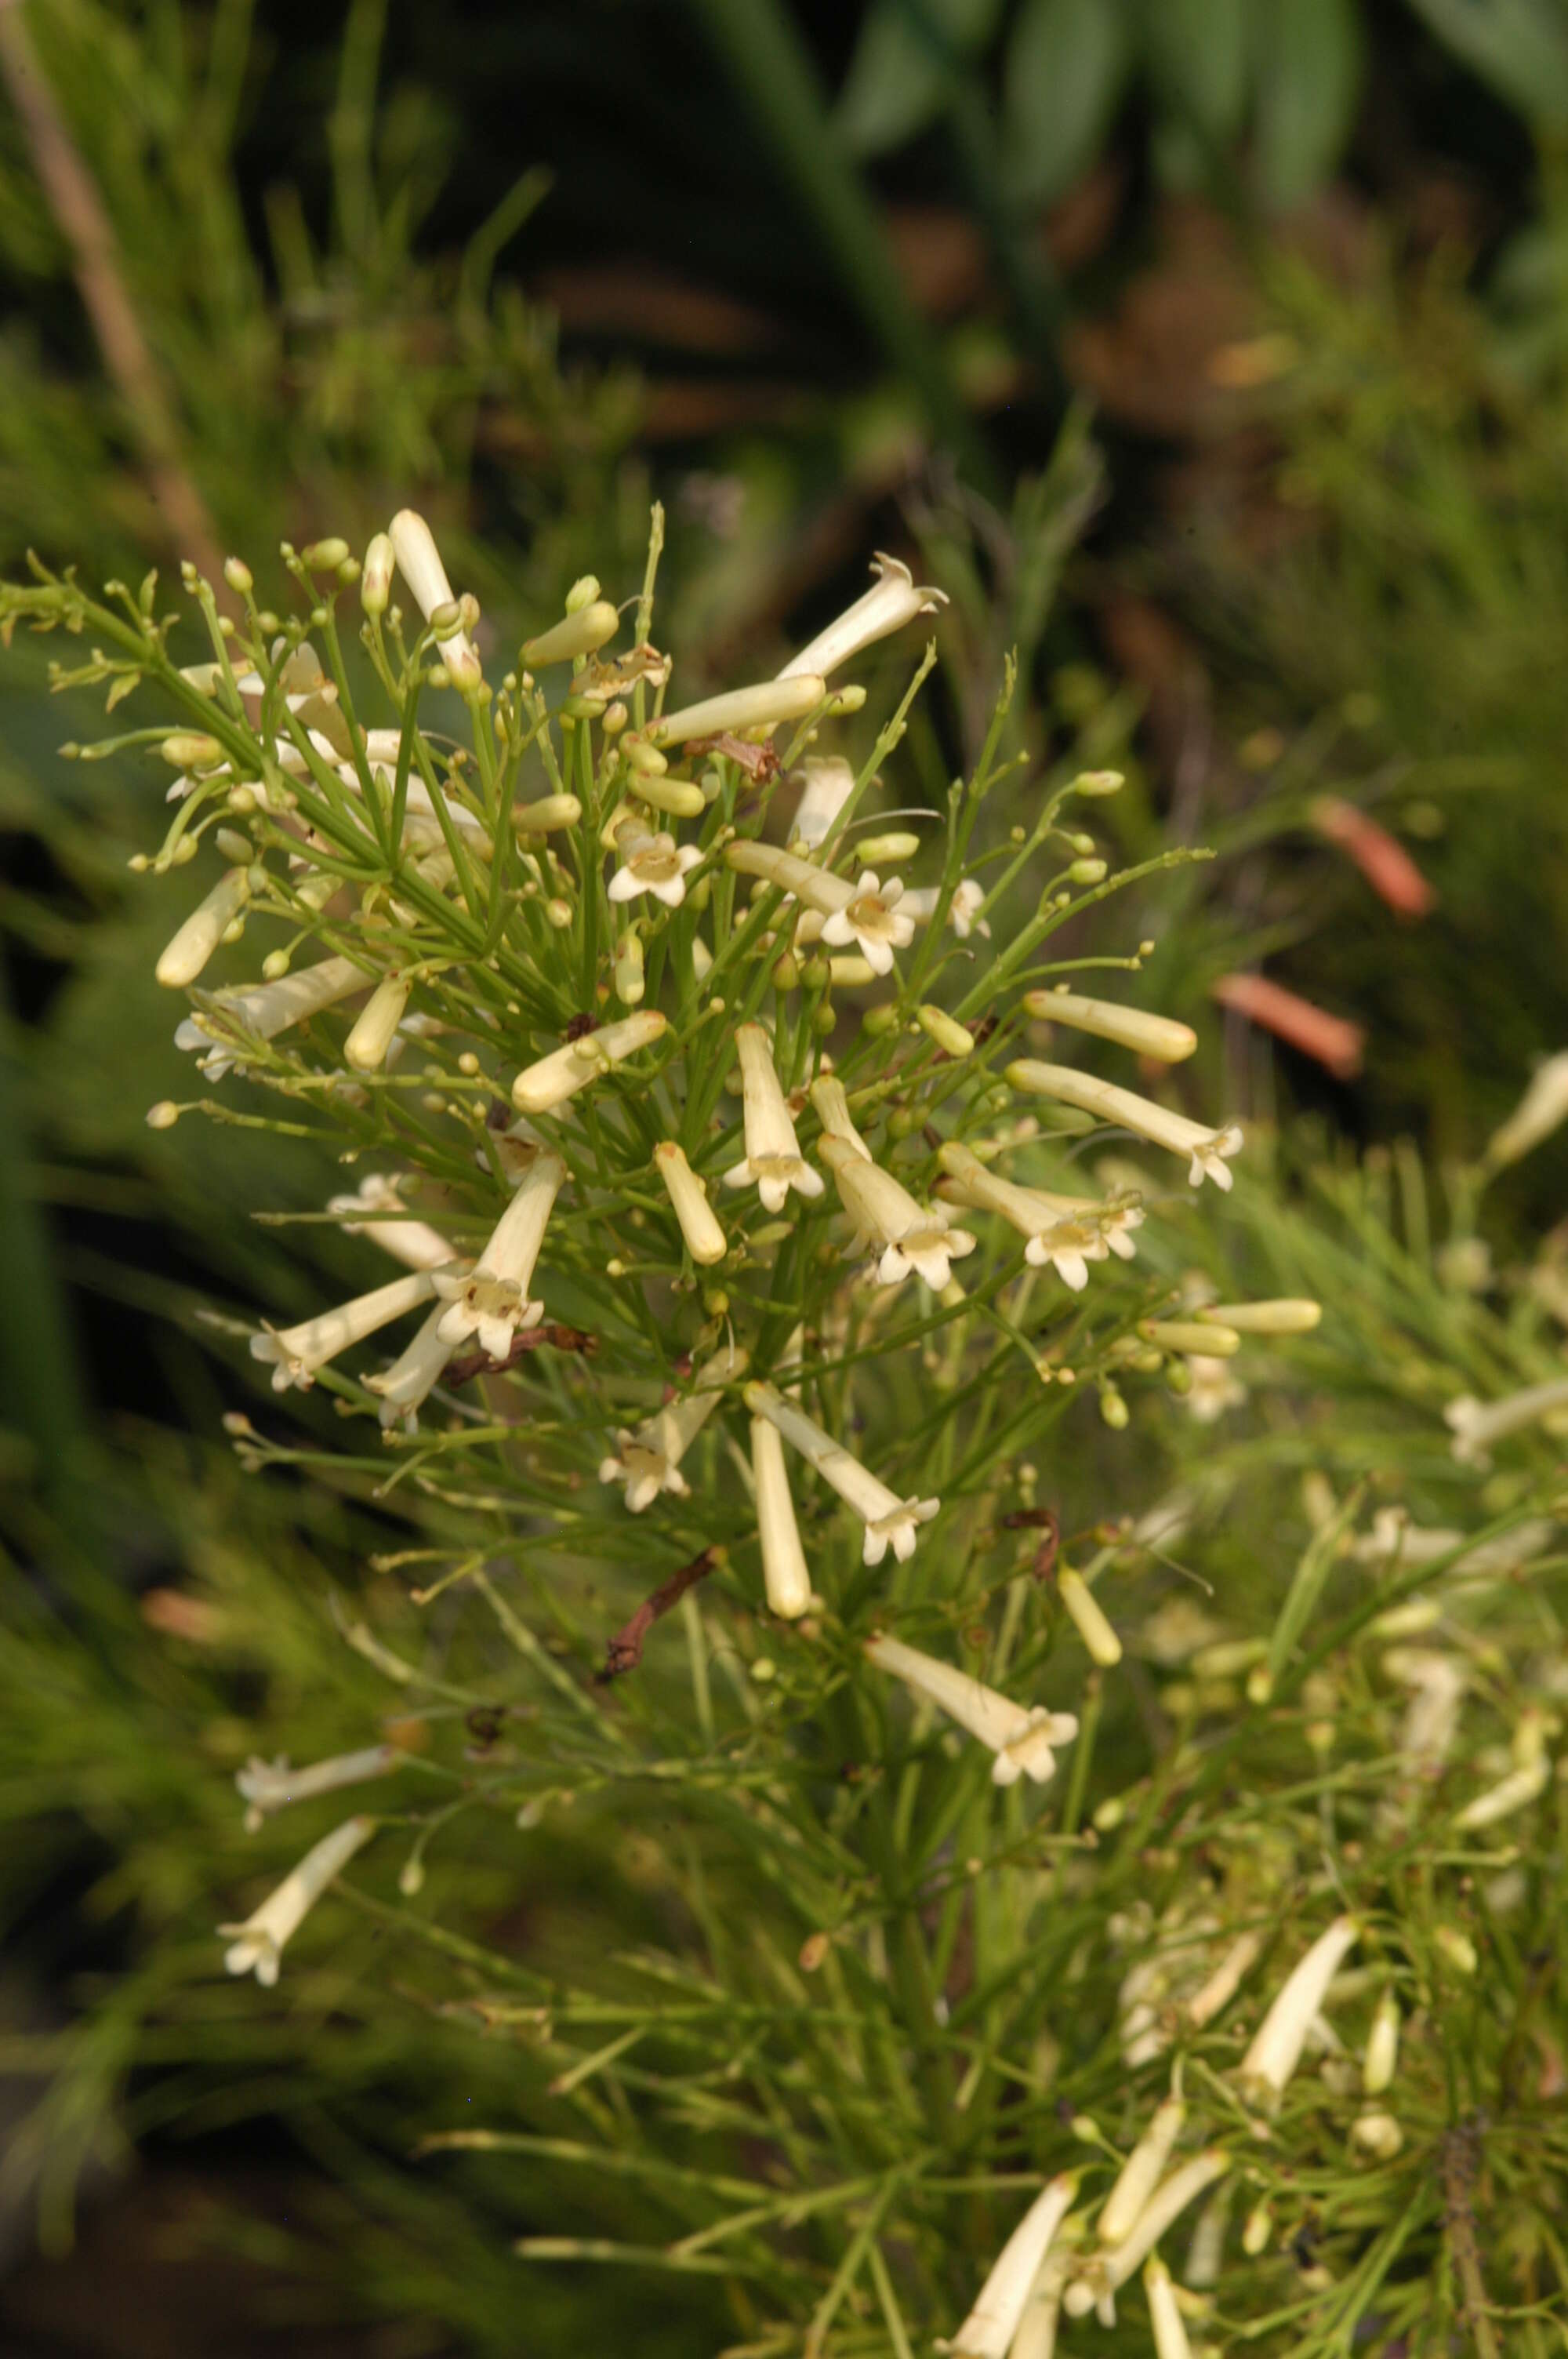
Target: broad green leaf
<point>898,75</point>
<point>1308,68</point>
<point>1066,65</point>
<point>1197,62</point>
<point>1519,47</point>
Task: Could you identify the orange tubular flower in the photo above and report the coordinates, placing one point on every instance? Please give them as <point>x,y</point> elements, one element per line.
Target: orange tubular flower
<point>1333,1042</point>
<point>1382,858</point>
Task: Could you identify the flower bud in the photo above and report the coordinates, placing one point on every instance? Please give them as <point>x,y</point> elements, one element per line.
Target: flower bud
<point>238,576</point>
<point>375,581</point>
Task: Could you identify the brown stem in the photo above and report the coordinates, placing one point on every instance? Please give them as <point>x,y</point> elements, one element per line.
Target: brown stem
<point>624,1652</point>
<point>79,211</point>
<point>526,1340</point>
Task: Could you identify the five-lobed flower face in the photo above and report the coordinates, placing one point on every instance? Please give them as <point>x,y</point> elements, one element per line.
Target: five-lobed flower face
<point>655,865</point>
<point>872,921</point>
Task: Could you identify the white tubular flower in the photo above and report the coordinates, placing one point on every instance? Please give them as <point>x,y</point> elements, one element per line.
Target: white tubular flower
<point>784,1573</point>
<point>492,1303</point>
<point>268,1008</point>
<point>1514,1792</point>
<point>1281,1316</point>
<point>832,1107</point>
<point>830,783</point>
<point>578,634</point>
<point>1088,1615</point>
<point>1139,2174</point>
<point>406,1386</point>
<point>202,931</point>
<point>765,706</point>
<point>553,1079</point>
<point>890,1521</point>
<point>1130,1028</point>
<point>873,920</point>
<point>653,863</point>
<point>1065,1233</point>
<point>269,1786</point>
<point>910,1239</point>
<point>1276,2049</point>
<point>1431,1718</point>
<point>989,2330</point>
<point>256,1946</point>
<point>648,1461</point>
<point>1543,1105</point>
<point>818,888</point>
<point>1164,2316</point>
<point>920,901</point>
<point>1021,1736</point>
<point>1207,1149</point>
<point>295,1353</point>
<point>893,599</point>
<point>1105,2271</point>
<point>1382,2047</point>
<point>773,1163</point>
<point>1215,1996</point>
<point>419,563</point>
<point>1214,1389</point>
<point>412,1242</point>
<point>366,1046</point>
<point>1036,2335</point>
<point>375,576</point>
<point>1475,1426</point>
<point>704,1240</point>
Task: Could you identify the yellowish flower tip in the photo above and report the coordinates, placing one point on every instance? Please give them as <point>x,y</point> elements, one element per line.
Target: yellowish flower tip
<point>164,1115</point>
<point>238,576</point>
<point>1097,783</point>
<point>580,632</point>
<point>1089,1617</point>
<point>1283,1316</point>
<point>949,1035</point>
<point>1159,1036</point>
<point>1209,1341</point>
<point>878,850</point>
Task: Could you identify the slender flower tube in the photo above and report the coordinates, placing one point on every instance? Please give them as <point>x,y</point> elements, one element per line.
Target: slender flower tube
<point>833,1112</point>
<point>575,634</point>
<point>1064,1234</point>
<point>1431,1717</point>
<point>888,1520</point>
<point>704,1240</point>
<point>873,920</point>
<point>492,1301</point>
<point>1382,858</point>
<point>784,1573</point>
<point>269,1786</point>
<point>1282,1316</point>
<point>1139,2174</point>
<point>375,575</point>
<point>1164,2317</point>
<point>910,1239</point>
<point>1382,2047</point>
<point>1476,1425</point>
<point>419,563</point>
<point>1514,1792</point>
<point>764,706</point>
<point>1105,2271</point>
<point>893,599</point>
<point>256,1946</point>
<point>268,1008</point>
<point>366,1046</point>
<point>407,1384</point>
<point>1036,2335</point>
<point>817,887</point>
<point>989,2330</point>
<point>1276,2049</point>
<point>297,1353</point>
<point>1216,1994</point>
<point>1090,1617</point>
<point>1207,1148</point>
<point>653,863</point>
<point>920,901</point>
<point>1151,1036</point>
<point>202,931</point>
<point>553,1079</point>
<point>1538,1113</point>
<point>773,1162</point>
<point>648,1461</point>
<point>1333,1042</point>
<point>830,783</point>
<point>412,1242</point>
<point>1021,1736</point>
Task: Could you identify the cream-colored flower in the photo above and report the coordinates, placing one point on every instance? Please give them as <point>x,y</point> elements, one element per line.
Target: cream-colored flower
<point>890,1521</point>
<point>910,1237</point>
<point>1382,2051</point>
<point>1279,1315</point>
<point>1164,2314</point>
<point>366,1046</point>
<point>773,1162</point>
<point>412,1242</point>
<point>492,1301</point>
<point>1515,1792</point>
<point>893,599</point>
<point>647,1460</point>
<point>830,783</point>
<point>1139,2174</point>
<point>920,901</point>
<point>1130,1028</point>
<point>989,2330</point>
<point>1103,2272</point>
<point>1085,1609</point>
<point>1022,1737</point>
<point>257,1945</point>
<point>1476,1425</point>
<point>1064,1233</point>
<point>580,633</point>
<point>785,1576</point>
<point>551,1080</point>
<point>1214,1388</point>
<point>873,920</point>
<point>766,705</point>
<point>205,927</point>
<point>832,1108</point>
<point>1207,1149</point>
<point>704,1240</point>
<point>1436,1682</point>
<point>407,1384</point>
<point>295,1353</point>
<point>653,863</point>
<point>269,1786</point>
<point>266,1009</point>
<point>419,563</point>
<point>1276,2047</point>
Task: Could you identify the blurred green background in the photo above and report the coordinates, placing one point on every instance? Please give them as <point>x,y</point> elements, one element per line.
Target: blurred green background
<point>1214,353</point>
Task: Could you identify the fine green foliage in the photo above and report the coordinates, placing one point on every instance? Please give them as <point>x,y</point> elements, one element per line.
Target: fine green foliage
<point>967,1773</point>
